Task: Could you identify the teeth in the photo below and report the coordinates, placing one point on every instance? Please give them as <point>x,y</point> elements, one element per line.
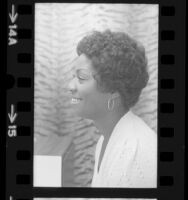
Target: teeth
<point>75,100</point>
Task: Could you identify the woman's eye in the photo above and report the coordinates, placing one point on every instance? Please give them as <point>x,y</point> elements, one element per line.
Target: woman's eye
<point>82,77</point>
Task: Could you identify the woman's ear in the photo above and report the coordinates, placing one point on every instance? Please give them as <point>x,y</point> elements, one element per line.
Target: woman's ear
<point>115,95</point>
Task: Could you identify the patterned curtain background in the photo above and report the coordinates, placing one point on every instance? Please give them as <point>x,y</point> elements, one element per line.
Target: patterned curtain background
<point>58,28</point>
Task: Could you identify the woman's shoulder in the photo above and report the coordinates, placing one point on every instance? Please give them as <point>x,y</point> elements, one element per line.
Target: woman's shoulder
<point>141,138</point>
<point>141,128</point>
<point>132,130</point>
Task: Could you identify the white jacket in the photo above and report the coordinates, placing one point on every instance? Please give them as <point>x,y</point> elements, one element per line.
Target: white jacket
<point>130,157</point>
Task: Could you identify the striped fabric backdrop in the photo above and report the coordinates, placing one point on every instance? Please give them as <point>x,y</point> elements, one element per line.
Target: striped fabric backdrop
<point>58,28</point>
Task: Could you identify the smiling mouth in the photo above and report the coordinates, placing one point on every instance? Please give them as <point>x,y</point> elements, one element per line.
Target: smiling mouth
<point>75,100</point>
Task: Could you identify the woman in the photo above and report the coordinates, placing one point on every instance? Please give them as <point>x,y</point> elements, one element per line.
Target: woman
<point>110,73</point>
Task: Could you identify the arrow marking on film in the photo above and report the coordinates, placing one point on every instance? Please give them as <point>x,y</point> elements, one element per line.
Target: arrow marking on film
<point>12,115</point>
<point>13,16</point>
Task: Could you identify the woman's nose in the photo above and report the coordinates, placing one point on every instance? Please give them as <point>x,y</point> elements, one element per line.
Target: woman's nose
<point>72,86</point>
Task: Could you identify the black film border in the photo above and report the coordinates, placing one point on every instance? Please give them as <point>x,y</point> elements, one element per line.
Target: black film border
<point>171,107</point>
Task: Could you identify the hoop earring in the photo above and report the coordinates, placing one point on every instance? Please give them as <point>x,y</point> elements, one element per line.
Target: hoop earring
<point>110,107</point>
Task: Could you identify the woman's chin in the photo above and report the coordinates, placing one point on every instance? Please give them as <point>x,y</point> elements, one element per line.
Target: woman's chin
<point>77,112</point>
<point>81,111</point>
<point>81,114</point>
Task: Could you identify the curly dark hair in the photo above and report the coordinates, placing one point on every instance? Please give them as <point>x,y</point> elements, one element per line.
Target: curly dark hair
<point>120,63</point>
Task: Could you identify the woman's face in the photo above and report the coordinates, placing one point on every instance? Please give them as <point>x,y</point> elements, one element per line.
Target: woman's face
<point>87,101</point>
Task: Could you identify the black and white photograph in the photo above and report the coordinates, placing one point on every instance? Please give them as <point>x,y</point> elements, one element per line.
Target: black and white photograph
<point>95,95</point>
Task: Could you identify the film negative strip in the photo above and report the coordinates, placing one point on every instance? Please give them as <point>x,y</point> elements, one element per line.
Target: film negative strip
<point>49,154</point>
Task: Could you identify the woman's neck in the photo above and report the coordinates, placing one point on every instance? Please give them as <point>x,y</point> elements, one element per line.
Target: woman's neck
<point>106,124</point>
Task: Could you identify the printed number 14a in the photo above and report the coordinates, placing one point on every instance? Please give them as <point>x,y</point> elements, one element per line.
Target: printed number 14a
<point>12,28</point>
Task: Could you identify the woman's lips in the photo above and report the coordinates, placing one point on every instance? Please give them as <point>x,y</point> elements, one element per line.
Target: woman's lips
<point>75,100</point>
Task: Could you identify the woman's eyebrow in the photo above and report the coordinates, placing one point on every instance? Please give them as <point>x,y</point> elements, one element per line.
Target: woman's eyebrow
<point>82,70</point>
